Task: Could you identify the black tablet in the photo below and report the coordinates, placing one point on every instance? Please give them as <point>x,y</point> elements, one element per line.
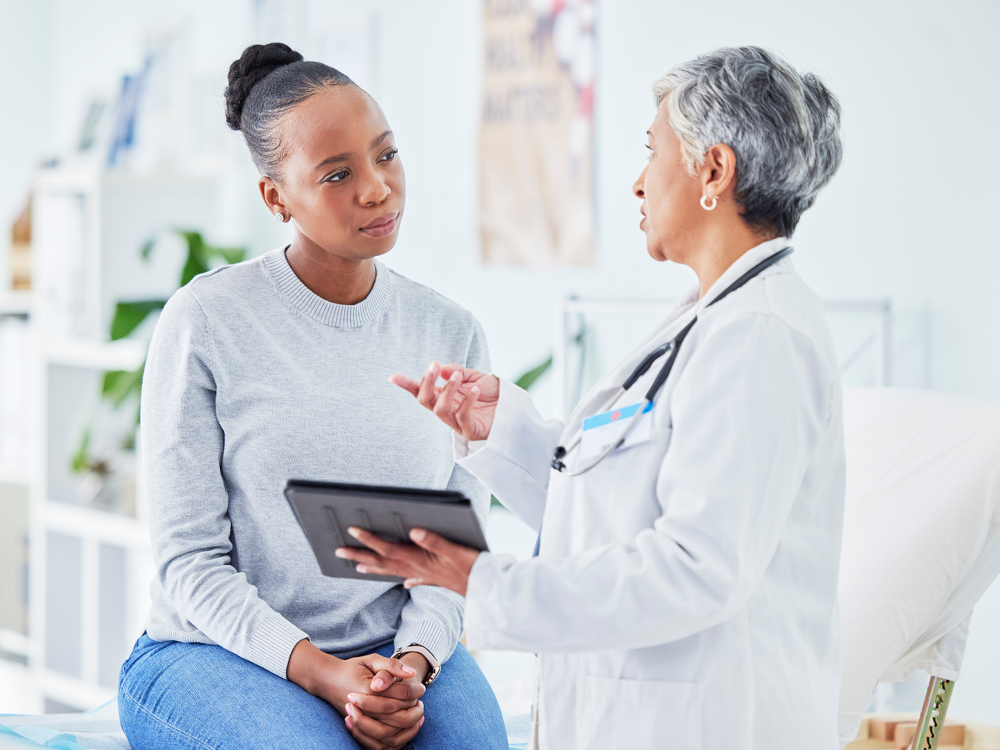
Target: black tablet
<point>325,510</point>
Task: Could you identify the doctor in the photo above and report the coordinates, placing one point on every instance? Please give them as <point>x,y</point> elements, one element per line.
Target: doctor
<point>685,591</point>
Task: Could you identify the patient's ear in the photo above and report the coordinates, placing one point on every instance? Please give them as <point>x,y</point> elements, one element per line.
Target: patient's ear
<point>272,196</point>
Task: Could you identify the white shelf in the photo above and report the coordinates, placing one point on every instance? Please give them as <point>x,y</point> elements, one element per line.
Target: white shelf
<point>14,643</point>
<point>10,475</point>
<point>99,525</point>
<point>15,303</point>
<point>124,354</point>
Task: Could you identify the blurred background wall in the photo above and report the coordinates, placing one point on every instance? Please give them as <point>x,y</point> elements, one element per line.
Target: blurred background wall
<point>908,217</point>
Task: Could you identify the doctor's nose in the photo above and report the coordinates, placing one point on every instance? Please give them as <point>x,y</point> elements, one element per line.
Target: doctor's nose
<point>639,185</point>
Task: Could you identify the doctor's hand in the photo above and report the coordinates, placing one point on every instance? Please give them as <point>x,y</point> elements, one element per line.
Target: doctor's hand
<point>466,403</point>
<point>434,561</point>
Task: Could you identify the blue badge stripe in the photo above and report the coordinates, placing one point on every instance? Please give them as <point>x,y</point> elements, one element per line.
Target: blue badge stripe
<point>599,420</point>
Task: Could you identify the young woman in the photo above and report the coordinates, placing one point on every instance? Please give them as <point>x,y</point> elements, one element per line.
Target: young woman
<point>278,368</point>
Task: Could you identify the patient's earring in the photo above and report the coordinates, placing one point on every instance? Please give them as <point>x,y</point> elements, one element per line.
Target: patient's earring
<point>280,217</point>
<point>715,200</point>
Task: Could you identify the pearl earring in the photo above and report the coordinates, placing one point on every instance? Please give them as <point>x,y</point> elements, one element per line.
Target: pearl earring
<point>280,217</point>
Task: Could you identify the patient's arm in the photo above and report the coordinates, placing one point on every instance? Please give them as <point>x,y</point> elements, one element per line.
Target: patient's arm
<point>187,497</point>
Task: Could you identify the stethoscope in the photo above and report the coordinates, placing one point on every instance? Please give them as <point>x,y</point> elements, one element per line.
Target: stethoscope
<point>671,347</point>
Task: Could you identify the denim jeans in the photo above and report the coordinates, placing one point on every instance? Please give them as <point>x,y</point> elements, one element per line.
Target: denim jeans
<point>198,697</point>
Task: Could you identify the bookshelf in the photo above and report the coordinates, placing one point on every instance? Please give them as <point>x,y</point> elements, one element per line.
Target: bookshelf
<point>88,568</point>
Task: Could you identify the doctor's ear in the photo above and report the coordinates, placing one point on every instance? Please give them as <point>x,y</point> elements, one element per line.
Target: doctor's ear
<point>718,173</point>
<point>272,199</point>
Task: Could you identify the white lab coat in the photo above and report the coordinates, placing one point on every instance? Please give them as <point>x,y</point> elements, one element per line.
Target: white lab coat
<point>685,596</point>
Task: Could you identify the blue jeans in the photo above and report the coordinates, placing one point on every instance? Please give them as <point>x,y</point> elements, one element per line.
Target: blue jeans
<point>191,696</point>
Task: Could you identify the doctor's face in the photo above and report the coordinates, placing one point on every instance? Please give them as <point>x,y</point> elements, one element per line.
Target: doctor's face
<point>669,195</point>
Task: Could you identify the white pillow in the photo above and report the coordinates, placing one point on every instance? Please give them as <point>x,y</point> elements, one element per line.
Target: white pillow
<point>921,535</point>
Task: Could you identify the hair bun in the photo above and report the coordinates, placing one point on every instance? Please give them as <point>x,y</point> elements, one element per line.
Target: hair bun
<point>254,64</point>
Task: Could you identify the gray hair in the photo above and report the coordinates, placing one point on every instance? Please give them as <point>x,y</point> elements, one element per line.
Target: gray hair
<point>783,127</point>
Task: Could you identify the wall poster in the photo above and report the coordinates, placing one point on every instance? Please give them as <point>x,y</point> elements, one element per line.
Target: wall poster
<point>537,132</point>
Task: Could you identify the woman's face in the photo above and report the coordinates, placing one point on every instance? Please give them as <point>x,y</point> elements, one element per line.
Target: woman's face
<point>669,195</point>
<point>342,181</point>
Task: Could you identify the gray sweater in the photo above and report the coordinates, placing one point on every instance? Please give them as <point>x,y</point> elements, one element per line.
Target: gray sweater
<point>252,380</point>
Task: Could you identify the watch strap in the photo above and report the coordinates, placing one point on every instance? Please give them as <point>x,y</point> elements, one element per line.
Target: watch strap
<point>416,648</point>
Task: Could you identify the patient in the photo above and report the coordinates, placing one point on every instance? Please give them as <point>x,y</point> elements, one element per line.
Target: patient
<point>252,379</point>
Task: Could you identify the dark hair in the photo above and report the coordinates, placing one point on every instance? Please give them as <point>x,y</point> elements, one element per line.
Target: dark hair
<point>264,84</point>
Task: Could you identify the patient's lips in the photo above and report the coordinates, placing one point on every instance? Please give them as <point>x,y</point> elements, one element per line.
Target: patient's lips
<point>381,225</point>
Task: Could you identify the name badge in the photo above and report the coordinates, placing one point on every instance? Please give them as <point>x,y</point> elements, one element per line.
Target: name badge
<point>601,431</point>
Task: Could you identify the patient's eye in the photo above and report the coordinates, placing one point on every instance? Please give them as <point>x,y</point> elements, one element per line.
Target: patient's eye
<point>389,155</point>
<point>337,176</point>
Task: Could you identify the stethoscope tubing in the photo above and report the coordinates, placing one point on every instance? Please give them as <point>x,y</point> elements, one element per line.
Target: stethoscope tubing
<point>673,347</point>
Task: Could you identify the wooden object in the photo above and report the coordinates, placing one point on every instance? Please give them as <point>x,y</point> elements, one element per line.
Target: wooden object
<point>883,729</point>
<point>951,734</point>
<point>20,251</point>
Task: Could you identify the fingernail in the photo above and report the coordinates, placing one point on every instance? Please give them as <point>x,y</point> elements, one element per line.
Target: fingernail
<point>352,697</point>
<point>421,721</point>
<point>409,670</point>
<point>377,684</point>
<point>349,724</point>
<point>474,390</point>
<point>456,376</point>
<point>418,535</point>
<point>340,553</point>
<point>361,568</point>
<point>432,367</point>
<point>354,531</point>
<point>350,709</point>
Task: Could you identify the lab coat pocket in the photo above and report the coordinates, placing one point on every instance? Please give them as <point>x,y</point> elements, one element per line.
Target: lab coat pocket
<point>639,714</point>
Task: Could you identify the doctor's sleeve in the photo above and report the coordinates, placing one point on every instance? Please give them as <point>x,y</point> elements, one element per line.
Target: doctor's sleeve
<point>188,504</point>
<point>433,617</point>
<point>515,460</point>
<point>748,412</point>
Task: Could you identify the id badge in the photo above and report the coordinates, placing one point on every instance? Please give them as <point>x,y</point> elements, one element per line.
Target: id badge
<point>601,431</point>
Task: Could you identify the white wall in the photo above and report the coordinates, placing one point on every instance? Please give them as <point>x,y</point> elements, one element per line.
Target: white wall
<point>25,106</point>
<point>908,217</point>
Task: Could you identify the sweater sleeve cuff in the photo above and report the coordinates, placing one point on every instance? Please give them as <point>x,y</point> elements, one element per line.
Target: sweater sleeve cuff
<point>429,634</point>
<point>272,642</point>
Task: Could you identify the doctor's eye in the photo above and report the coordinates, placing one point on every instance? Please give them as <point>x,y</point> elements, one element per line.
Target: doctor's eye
<point>389,155</point>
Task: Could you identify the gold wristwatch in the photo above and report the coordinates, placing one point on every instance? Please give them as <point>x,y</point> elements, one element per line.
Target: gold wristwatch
<point>416,648</point>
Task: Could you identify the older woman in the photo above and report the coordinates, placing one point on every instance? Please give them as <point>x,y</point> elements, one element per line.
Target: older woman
<point>685,592</point>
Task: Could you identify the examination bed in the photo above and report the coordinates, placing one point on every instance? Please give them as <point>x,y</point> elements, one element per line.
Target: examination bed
<point>921,546</point>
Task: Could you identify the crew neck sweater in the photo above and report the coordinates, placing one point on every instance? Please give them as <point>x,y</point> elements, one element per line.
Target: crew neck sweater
<point>252,380</point>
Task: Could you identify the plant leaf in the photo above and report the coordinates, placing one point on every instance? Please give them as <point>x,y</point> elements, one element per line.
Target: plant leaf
<point>192,267</point>
<point>129,316</point>
<point>80,462</point>
<point>229,254</point>
<point>529,378</point>
<point>120,384</point>
<point>147,247</point>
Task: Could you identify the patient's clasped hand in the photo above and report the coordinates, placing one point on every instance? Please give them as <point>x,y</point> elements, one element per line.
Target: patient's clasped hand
<point>380,696</point>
